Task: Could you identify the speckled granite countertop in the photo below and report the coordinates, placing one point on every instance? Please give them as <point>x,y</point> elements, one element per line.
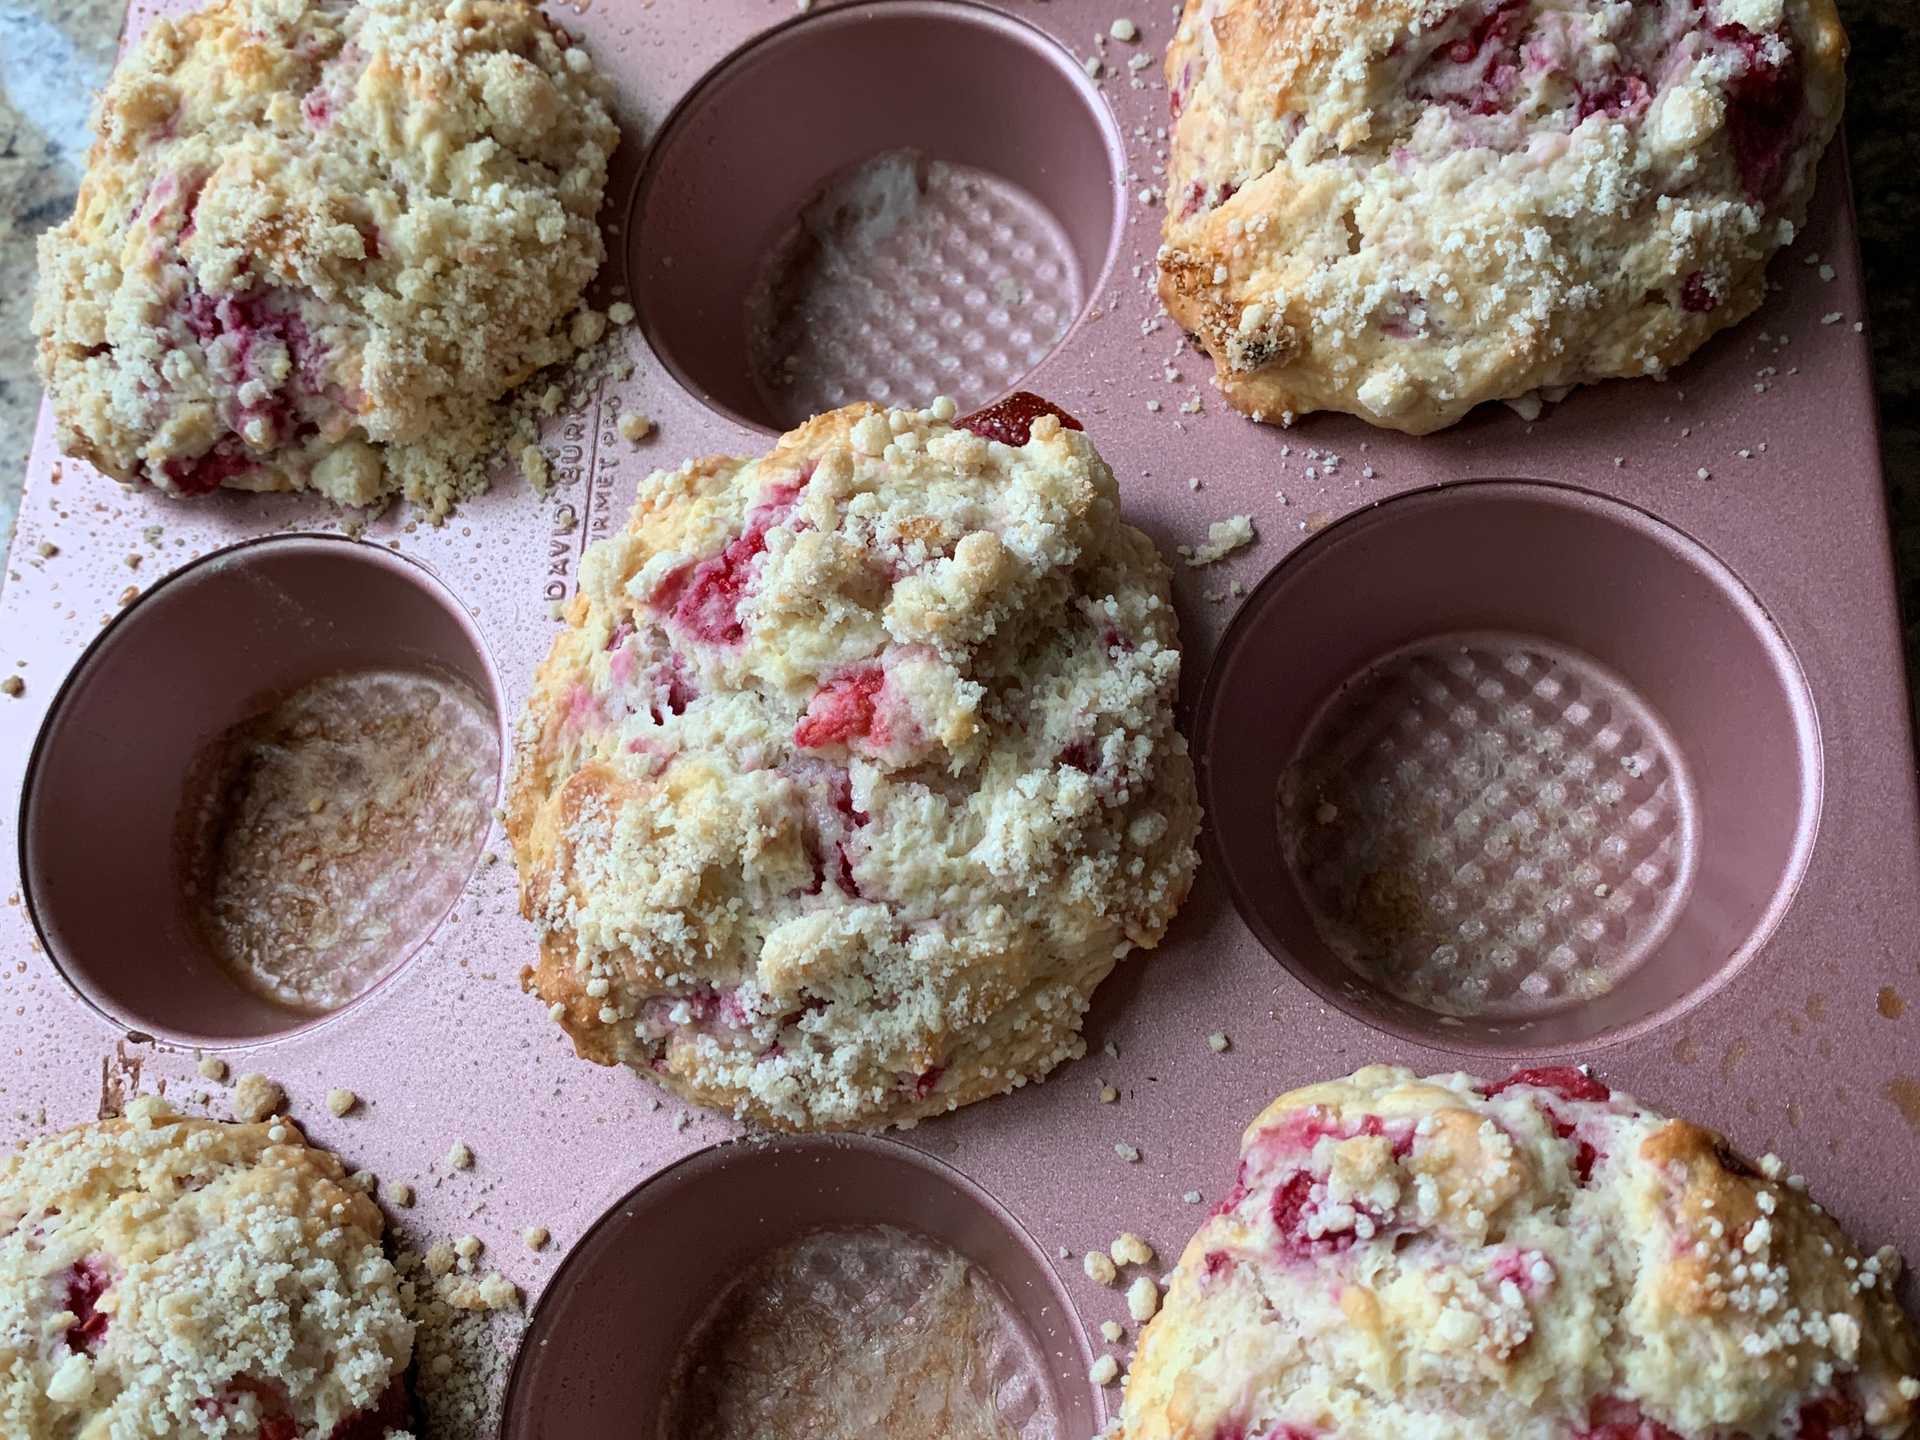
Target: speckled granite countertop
<point>55,53</point>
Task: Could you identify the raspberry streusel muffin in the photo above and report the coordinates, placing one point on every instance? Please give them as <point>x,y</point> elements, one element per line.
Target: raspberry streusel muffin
<point>1401,209</point>
<point>184,1278</point>
<point>855,769</point>
<point>1538,1259</point>
<point>316,239</point>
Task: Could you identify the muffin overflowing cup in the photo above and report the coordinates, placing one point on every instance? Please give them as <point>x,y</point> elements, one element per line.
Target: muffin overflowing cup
<point>852,765</point>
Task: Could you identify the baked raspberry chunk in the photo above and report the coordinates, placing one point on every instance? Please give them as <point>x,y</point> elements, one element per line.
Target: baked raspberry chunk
<point>1294,1208</point>
<point>1566,1081</point>
<point>1519,1268</point>
<point>87,1281</point>
<point>1613,1418</point>
<point>1834,1416</point>
<point>394,1412</point>
<point>204,474</point>
<point>1010,421</point>
<point>1696,295</point>
<point>1767,106</point>
<point>844,710</point>
<point>704,599</point>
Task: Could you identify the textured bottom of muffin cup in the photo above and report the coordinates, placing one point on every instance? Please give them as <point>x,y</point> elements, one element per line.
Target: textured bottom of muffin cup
<point>261,790</point>
<point>930,213</point>
<point>680,1314</point>
<point>1508,766</point>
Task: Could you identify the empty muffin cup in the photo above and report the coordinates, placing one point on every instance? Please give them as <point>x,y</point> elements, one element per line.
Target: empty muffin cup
<point>885,201</point>
<point>261,790</point>
<point>765,1288</point>
<point>1508,766</point>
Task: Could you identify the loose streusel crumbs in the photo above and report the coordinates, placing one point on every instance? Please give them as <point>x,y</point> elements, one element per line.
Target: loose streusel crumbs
<point>256,1098</point>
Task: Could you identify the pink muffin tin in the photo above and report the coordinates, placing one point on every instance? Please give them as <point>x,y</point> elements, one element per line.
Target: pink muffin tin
<point>1584,737</point>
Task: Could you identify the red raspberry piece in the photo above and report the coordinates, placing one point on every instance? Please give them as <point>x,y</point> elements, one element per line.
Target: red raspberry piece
<point>1834,1416</point>
<point>1695,296</point>
<point>307,355</point>
<point>203,474</point>
<point>1563,1080</point>
<point>394,1412</point>
<point>829,820</point>
<point>844,879</point>
<point>1620,95</point>
<point>843,710</point>
<point>1612,1418</point>
<point>1584,1155</point>
<point>1177,94</point>
<point>681,691</point>
<point>1199,197</point>
<point>1078,755</point>
<point>1304,1129</point>
<point>1292,1207</point>
<point>1584,1159</point>
<point>620,668</point>
<point>1517,1266</point>
<point>1011,420</point>
<point>1485,61</point>
<point>583,707</point>
<point>704,598</point>
<point>843,799</point>
<point>1291,1138</point>
<point>923,1083</point>
<point>190,206</point>
<point>202,314</point>
<point>1615,1419</point>
<point>87,1281</point>
<point>1231,1201</point>
<point>708,1005</point>
<point>1499,27</point>
<point>276,1420</point>
<point>1765,105</point>
<point>1216,1263</point>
